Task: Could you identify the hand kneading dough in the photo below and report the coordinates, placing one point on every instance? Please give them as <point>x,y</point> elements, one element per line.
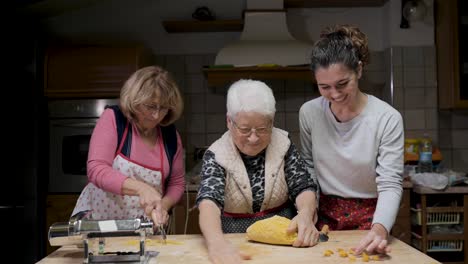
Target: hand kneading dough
<point>271,231</point>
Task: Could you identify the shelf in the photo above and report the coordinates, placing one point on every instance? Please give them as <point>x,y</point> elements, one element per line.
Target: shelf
<point>437,215</point>
<point>436,237</point>
<point>179,26</point>
<point>448,236</point>
<point>413,157</point>
<point>451,209</point>
<point>219,76</point>
<point>236,25</point>
<point>439,242</point>
<point>448,190</point>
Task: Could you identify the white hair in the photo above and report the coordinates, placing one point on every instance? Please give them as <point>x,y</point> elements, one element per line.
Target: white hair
<point>250,96</point>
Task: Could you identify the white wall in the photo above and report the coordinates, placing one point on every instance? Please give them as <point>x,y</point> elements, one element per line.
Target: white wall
<point>381,24</point>
<point>419,34</point>
<point>140,21</point>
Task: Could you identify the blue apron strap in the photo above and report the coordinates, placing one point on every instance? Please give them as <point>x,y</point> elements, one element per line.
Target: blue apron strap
<point>169,136</point>
<point>121,122</point>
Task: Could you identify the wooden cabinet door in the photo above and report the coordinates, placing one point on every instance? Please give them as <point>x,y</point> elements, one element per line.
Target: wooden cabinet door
<point>58,209</point>
<point>90,71</point>
<point>452,72</point>
<point>402,227</point>
<point>179,223</point>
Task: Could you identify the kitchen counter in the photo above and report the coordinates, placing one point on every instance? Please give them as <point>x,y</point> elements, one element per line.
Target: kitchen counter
<point>191,249</point>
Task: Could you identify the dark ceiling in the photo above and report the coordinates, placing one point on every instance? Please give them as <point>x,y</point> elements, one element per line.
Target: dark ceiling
<point>49,8</point>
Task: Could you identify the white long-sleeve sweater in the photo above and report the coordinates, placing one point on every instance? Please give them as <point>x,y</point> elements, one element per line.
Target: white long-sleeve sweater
<point>361,158</point>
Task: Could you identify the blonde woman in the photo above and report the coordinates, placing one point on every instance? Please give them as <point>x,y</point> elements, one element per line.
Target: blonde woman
<point>135,160</point>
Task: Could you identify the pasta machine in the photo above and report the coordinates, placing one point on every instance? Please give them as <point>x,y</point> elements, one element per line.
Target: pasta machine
<point>80,230</point>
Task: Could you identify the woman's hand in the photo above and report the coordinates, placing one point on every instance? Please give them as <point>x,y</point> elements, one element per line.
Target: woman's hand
<point>150,198</point>
<point>307,233</point>
<point>159,215</point>
<point>374,241</point>
<point>225,253</point>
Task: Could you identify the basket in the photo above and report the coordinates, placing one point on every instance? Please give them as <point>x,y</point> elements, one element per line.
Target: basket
<point>444,245</point>
<point>436,218</point>
<point>437,245</point>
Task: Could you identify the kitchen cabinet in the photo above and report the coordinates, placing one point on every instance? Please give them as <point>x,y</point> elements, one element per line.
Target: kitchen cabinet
<point>91,71</point>
<point>59,208</point>
<point>438,219</point>
<point>451,29</point>
<point>180,224</point>
<point>402,227</point>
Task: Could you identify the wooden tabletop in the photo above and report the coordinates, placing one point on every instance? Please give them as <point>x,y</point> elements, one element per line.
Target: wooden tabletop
<point>191,249</point>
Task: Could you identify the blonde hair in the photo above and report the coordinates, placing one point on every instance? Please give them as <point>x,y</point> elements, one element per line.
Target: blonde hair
<point>146,84</point>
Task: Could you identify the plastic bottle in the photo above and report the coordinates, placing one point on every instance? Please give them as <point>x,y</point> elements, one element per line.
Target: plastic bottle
<point>425,155</point>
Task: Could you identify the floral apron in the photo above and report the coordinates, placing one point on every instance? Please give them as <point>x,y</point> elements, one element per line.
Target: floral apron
<point>346,213</point>
<point>105,205</point>
<point>238,223</point>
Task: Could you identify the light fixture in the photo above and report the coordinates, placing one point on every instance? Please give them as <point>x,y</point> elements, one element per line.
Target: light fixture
<point>412,10</point>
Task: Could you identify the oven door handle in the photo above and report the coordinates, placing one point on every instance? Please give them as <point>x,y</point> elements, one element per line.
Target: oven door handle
<point>79,125</point>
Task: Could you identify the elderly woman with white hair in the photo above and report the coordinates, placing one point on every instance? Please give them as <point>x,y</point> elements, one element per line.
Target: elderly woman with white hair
<point>254,171</point>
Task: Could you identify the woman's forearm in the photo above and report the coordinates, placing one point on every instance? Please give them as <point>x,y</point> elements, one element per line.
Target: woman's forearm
<point>167,203</point>
<point>306,202</point>
<point>210,222</point>
<point>132,187</point>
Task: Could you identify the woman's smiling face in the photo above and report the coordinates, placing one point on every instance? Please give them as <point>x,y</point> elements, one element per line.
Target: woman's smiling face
<point>338,83</point>
<point>251,132</point>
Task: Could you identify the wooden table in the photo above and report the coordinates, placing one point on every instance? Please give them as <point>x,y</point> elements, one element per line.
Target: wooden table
<point>191,249</point>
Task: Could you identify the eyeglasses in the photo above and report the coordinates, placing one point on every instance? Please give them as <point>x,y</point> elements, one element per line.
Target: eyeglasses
<point>247,131</point>
<point>154,108</point>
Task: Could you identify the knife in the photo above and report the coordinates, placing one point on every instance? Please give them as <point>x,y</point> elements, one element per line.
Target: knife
<point>323,235</point>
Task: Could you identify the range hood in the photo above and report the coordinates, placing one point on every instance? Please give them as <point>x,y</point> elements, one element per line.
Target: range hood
<point>265,39</point>
<point>265,50</point>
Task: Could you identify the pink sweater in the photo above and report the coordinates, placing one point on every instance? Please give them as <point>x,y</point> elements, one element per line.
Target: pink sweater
<point>101,155</point>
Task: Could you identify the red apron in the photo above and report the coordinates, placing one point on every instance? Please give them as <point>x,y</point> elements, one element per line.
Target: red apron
<point>346,213</point>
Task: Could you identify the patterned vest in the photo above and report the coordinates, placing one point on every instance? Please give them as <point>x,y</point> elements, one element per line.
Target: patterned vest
<point>238,192</point>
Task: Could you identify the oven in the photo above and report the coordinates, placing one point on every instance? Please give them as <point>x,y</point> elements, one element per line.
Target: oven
<point>71,123</point>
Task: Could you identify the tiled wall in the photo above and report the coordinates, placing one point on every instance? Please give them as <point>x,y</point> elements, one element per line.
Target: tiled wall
<point>415,96</point>
<point>415,90</point>
<point>414,86</point>
<point>204,118</point>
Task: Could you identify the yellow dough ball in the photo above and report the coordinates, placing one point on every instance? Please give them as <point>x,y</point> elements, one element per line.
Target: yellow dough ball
<point>271,231</point>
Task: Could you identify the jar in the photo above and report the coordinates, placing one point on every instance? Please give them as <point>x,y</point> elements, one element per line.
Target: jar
<point>412,146</point>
